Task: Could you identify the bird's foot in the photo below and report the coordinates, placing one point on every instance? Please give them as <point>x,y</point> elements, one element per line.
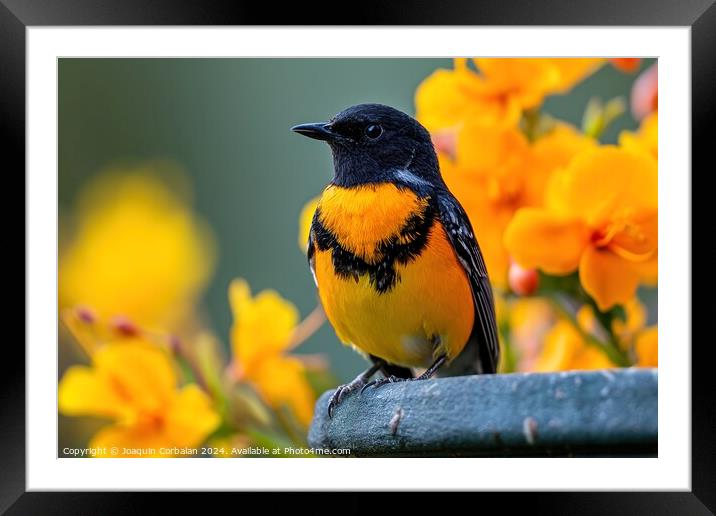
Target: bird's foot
<point>429,372</point>
<point>388,379</point>
<point>344,390</point>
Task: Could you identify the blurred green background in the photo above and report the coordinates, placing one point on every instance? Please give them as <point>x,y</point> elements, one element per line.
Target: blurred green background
<point>226,123</point>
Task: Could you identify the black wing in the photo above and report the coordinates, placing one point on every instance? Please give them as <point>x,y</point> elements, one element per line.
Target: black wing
<point>459,231</point>
<point>311,255</point>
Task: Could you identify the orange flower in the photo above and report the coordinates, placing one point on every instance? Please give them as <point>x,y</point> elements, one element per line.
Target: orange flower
<point>649,271</point>
<point>449,98</point>
<point>600,217</point>
<point>496,95</point>
<point>498,172</point>
<point>626,64</point>
<point>646,139</point>
<point>531,79</point>
<point>565,349</point>
<point>634,322</point>
<point>626,331</point>
<point>262,334</point>
<point>646,347</point>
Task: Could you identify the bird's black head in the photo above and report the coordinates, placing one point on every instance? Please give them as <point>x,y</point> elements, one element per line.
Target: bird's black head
<point>373,143</point>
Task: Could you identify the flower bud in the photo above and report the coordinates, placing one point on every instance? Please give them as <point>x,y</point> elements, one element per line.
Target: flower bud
<point>523,282</point>
<point>124,326</point>
<point>445,142</point>
<point>626,64</point>
<point>175,344</point>
<point>645,93</point>
<point>85,315</point>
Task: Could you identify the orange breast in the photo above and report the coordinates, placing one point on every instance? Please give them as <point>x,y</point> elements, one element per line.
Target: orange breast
<point>431,301</point>
<point>362,217</point>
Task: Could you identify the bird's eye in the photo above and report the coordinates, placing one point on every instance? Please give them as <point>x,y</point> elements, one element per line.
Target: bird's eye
<point>373,131</point>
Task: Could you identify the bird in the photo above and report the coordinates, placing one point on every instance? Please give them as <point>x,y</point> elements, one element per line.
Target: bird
<point>398,270</point>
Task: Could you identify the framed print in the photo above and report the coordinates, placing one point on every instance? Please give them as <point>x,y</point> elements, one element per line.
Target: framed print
<point>334,257</point>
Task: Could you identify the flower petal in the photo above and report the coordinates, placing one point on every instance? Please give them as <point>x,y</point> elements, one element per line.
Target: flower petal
<point>608,278</point>
<point>538,239</point>
<point>440,102</point>
<point>646,139</point>
<point>552,151</point>
<point>565,349</point>
<point>484,148</point>
<point>281,380</point>
<point>137,249</point>
<point>591,358</point>
<point>560,345</point>
<point>488,218</point>
<point>263,325</point>
<point>83,392</point>
<point>128,441</point>
<point>239,296</point>
<point>649,271</point>
<point>573,70</point>
<point>139,372</point>
<point>626,64</point>
<point>526,79</point>
<point>191,417</point>
<point>639,239</point>
<point>647,347</point>
<point>449,98</point>
<point>601,181</point>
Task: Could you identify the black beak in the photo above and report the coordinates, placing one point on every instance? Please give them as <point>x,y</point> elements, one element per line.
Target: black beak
<point>319,131</point>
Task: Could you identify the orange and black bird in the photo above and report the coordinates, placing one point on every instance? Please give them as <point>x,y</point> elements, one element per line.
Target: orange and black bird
<point>394,256</point>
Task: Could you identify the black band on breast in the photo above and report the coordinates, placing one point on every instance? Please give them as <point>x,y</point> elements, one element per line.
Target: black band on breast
<point>403,247</point>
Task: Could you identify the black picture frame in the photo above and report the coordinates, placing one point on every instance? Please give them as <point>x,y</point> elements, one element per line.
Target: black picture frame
<point>17,15</point>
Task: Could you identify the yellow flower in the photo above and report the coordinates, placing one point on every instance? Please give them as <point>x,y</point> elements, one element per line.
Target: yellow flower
<point>530,319</point>
<point>565,349</point>
<point>649,270</point>
<point>133,382</point>
<point>498,172</point>
<point>647,348</point>
<point>262,334</point>
<point>600,217</point>
<point>631,332</point>
<point>531,79</point>
<point>646,139</point>
<point>496,94</point>
<point>304,222</point>
<point>634,322</point>
<point>137,251</point>
<point>625,331</point>
<point>449,98</point>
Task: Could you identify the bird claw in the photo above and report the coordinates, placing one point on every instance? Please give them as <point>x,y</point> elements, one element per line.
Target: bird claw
<point>336,398</point>
<point>341,392</point>
<point>382,381</point>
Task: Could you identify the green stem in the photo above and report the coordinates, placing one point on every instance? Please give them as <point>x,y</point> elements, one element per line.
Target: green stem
<point>286,423</point>
<point>531,123</point>
<point>610,348</point>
